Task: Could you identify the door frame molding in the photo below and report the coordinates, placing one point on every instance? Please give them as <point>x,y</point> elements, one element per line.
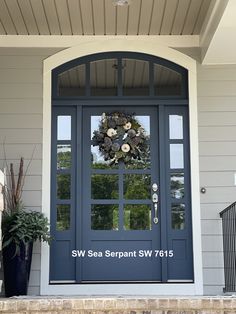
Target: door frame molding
<point>146,46</point>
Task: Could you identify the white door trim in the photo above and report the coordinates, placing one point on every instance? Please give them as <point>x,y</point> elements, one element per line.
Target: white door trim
<point>142,46</point>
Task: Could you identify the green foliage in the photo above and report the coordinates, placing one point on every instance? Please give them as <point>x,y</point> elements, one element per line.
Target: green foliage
<point>25,227</point>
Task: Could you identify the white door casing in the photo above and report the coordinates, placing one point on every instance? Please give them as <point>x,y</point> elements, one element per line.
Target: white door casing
<point>143,46</point>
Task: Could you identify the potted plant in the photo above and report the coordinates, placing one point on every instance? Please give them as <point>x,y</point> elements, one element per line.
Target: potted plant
<point>20,229</point>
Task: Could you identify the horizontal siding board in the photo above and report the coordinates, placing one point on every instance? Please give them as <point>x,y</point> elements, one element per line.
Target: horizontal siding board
<point>21,76</point>
<point>213,259</point>
<point>219,195</point>
<point>32,198</point>
<point>217,104</point>
<point>217,88</point>
<point>33,183</point>
<point>218,163</point>
<point>34,290</point>
<point>212,211</point>
<point>34,278</point>
<point>210,226</point>
<point>224,133</point>
<point>27,151</point>
<point>21,136</point>
<point>217,148</point>
<point>217,118</point>
<point>217,178</point>
<point>34,169</point>
<point>21,62</point>
<point>21,106</point>
<point>33,52</point>
<point>212,243</point>
<point>22,150</point>
<point>213,276</point>
<point>24,90</point>
<point>13,121</point>
<point>224,73</point>
<point>35,261</point>
<point>213,289</point>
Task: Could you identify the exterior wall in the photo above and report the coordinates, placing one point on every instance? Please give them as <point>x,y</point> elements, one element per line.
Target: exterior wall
<point>217,147</point>
<point>21,107</point>
<point>21,121</point>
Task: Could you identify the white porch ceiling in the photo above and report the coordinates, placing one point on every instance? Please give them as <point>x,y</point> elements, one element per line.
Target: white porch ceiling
<point>101,17</point>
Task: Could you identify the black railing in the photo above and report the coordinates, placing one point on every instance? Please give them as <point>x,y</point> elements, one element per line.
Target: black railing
<point>228,216</point>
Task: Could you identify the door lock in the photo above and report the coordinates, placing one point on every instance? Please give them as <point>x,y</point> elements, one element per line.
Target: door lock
<point>154,197</point>
<point>154,187</point>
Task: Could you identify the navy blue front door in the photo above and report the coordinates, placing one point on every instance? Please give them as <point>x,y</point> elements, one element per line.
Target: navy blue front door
<point>118,211</point>
<point>131,218</point>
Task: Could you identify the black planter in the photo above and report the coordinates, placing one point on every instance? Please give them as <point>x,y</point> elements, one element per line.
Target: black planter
<point>17,269</point>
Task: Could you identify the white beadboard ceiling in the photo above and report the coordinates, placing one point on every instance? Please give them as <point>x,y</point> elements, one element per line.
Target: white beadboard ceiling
<point>101,17</point>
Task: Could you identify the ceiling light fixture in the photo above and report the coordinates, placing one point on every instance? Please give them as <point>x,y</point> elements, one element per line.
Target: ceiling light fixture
<point>121,2</point>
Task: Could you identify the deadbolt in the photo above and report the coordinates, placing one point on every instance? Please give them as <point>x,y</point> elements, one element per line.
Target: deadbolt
<point>154,187</point>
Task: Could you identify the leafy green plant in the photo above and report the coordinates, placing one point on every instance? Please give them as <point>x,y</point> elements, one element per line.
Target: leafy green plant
<point>20,226</point>
<point>25,227</point>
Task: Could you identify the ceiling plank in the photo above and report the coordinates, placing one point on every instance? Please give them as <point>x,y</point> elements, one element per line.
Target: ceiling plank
<point>16,16</point>
<point>191,17</point>
<point>29,19</point>
<point>6,19</point>
<point>122,19</point>
<point>110,18</point>
<point>180,16</point>
<point>98,16</point>
<point>201,17</point>
<point>157,17</point>
<point>40,17</point>
<point>52,17</point>
<point>63,17</point>
<point>2,30</point>
<point>145,16</point>
<point>169,14</point>
<point>134,14</point>
<point>87,17</point>
<point>75,17</point>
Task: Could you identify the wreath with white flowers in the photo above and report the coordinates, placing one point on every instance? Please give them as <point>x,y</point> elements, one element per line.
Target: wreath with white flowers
<point>120,137</point>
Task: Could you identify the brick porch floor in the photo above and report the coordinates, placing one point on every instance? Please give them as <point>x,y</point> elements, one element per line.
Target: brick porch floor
<point>119,305</point>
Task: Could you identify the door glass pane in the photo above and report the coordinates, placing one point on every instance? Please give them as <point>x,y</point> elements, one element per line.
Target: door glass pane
<point>64,128</point>
<point>178,216</point>
<point>143,162</point>
<point>72,82</point>
<point>176,127</point>
<point>63,217</point>
<point>135,77</point>
<point>103,77</point>
<point>104,186</point>
<point>63,156</point>
<point>137,186</point>
<point>137,217</point>
<point>176,156</point>
<point>98,162</point>
<point>63,186</point>
<point>166,81</point>
<point>177,185</point>
<point>104,217</point>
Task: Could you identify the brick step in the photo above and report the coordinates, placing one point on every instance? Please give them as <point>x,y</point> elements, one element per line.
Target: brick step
<point>119,305</point>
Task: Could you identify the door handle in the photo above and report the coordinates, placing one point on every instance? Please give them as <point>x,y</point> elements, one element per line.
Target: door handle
<point>155,203</point>
<point>155,219</point>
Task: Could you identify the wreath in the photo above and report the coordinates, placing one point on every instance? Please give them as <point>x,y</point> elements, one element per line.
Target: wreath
<point>120,137</point>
